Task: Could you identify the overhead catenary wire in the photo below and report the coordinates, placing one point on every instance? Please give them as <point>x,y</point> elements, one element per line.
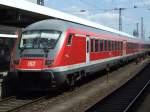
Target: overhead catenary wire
<point>113,9</point>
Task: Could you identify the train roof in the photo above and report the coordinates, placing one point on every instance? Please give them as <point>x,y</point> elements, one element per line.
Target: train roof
<point>55,24</point>
<point>48,24</point>
<point>62,25</point>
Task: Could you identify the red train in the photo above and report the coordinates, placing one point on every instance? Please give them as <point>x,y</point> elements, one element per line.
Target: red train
<point>51,53</point>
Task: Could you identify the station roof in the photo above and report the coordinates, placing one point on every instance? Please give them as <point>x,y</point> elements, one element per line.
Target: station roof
<point>22,13</point>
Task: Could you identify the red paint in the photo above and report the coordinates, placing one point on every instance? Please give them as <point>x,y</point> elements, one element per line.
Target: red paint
<point>31,63</point>
<point>76,52</point>
<point>73,54</point>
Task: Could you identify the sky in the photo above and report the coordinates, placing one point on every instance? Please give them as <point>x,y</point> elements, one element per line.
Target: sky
<point>99,11</point>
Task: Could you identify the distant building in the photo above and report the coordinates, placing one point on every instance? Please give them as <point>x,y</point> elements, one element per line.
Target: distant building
<point>135,33</point>
<point>33,1</point>
<point>40,2</point>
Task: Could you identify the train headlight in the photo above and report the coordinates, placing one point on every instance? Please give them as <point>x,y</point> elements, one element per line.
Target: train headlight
<point>48,62</point>
<point>16,62</point>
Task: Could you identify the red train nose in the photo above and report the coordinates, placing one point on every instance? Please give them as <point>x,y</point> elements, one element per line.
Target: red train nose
<point>31,63</point>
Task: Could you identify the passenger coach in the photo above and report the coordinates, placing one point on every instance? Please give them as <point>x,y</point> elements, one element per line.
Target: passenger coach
<point>51,53</point>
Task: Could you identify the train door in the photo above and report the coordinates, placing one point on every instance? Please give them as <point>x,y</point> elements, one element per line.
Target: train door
<point>124,47</point>
<point>87,49</point>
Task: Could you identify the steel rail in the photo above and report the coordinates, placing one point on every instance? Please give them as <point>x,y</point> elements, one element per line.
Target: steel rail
<point>2,100</point>
<point>128,107</point>
<point>8,104</point>
<point>122,99</point>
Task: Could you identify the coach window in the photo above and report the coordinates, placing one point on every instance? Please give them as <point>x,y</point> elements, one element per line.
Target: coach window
<point>96,45</point>
<point>118,45</point>
<point>92,45</point>
<point>105,45</point>
<point>121,45</point>
<point>69,40</point>
<point>101,45</point>
<point>131,45</point>
<point>110,48</point>
<point>113,46</point>
<point>109,45</point>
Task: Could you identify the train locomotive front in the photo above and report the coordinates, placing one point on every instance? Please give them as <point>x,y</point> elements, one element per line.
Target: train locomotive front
<point>35,55</point>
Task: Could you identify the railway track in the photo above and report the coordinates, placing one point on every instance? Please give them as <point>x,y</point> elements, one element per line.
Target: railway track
<point>49,103</point>
<point>123,98</point>
<point>13,103</point>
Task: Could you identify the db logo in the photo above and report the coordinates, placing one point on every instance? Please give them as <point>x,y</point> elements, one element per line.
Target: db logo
<point>31,63</point>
